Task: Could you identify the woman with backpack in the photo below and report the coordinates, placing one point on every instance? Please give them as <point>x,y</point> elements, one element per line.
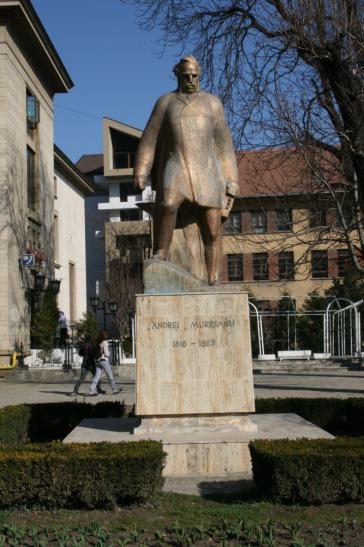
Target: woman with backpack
<point>87,351</point>
<point>102,363</point>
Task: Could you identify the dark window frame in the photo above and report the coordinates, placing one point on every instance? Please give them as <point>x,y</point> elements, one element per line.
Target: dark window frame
<point>343,260</point>
<point>32,110</point>
<point>260,266</point>
<point>319,264</point>
<point>286,270</point>
<point>233,224</point>
<point>31,180</point>
<point>131,215</point>
<point>284,220</point>
<point>318,217</point>
<point>259,221</point>
<point>235,267</point>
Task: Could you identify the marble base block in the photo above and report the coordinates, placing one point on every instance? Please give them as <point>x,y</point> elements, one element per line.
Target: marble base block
<point>200,453</point>
<point>185,425</point>
<point>194,355</point>
<point>213,458</point>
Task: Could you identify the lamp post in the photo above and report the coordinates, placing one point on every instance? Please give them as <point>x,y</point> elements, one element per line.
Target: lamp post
<point>38,289</point>
<point>97,305</point>
<point>130,311</point>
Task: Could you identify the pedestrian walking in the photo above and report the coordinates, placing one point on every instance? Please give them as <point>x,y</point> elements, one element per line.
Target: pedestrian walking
<point>62,328</point>
<point>87,351</point>
<point>102,363</point>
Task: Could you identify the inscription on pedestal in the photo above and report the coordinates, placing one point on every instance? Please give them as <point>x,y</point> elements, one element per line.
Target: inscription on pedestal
<point>193,354</point>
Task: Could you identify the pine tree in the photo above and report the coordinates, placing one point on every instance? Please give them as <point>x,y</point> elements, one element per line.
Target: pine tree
<point>44,323</point>
<point>88,327</point>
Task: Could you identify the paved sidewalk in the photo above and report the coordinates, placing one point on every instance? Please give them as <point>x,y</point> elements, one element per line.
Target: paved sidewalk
<point>317,384</point>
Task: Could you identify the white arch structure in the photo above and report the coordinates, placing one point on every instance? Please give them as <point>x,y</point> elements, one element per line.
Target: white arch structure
<point>259,327</point>
<point>342,328</point>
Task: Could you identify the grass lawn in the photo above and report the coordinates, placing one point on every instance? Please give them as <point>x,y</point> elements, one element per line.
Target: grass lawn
<point>176,519</point>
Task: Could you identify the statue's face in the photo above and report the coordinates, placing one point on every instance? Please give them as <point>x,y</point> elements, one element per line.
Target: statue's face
<point>188,78</point>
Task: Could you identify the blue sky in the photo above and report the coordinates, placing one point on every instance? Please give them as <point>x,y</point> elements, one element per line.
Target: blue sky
<point>116,69</point>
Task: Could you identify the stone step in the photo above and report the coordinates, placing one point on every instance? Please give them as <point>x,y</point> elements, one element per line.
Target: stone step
<point>298,365</point>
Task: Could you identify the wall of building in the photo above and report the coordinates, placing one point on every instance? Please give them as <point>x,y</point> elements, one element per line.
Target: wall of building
<point>70,248</point>
<point>299,241</point>
<point>95,245</point>
<point>15,77</point>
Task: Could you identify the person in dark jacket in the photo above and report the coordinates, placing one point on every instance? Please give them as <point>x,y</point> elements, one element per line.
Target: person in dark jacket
<point>87,351</point>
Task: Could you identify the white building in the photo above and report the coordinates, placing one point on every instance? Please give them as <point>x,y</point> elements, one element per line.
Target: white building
<point>114,213</point>
<point>31,72</point>
<point>70,189</point>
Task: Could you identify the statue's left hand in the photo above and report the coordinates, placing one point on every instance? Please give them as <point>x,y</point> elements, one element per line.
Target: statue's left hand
<point>140,182</point>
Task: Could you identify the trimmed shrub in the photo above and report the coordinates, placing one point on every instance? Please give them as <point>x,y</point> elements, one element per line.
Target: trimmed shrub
<point>14,424</point>
<point>50,421</point>
<point>337,416</point>
<point>310,471</point>
<point>98,475</point>
<point>54,421</point>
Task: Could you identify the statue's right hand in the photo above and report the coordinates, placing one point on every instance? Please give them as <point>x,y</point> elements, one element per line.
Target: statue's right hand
<point>140,182</point>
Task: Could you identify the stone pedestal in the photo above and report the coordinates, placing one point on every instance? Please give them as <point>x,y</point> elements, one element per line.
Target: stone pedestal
<point>194,381</point>
<point>194,356</point>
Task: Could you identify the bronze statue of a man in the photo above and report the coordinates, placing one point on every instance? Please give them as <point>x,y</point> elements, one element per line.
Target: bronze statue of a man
<point>187,146</point>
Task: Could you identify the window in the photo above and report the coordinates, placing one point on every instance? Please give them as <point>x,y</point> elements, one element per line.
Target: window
<point>233,223</point>
<point>235,267</point>
<point>319,264</point>
<point>318,218</point>
<point>55,187</point>
<point>264,305</point>
<point>259,221</point>
<point>260,266</point>
<point>31,179</point>
<point>284,220</point>
<point>124,160</point>
<point>32,110</point>
<point>286,265</point>
<point>56,238</point>
<point>33,237</point>
<point>72,290</point>
<point>127,189</point>
<point>348,214</point>
<point>343,261</point>
<point>131,214</point>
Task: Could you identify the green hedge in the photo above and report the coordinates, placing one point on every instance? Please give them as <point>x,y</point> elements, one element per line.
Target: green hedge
<point>54,421</point>
<point>50,421</point>
<point>14,422</point>
<point>310,471</point>
<point>337,416</point>
<point>98,475</point>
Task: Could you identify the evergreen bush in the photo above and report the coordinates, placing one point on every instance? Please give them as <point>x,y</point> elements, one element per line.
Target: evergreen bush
<point>14,422</point>
<point>310,471</point>
<point>98,475</point>
<point>44,323</point>
<point>337,416</point>
<point>54,421</point>
<point>50,421</point>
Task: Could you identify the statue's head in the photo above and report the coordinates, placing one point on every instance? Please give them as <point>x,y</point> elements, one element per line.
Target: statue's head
<point>187,71</point>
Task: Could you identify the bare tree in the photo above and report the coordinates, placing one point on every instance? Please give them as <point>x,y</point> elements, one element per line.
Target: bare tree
<point>124,278</point>
<point>290,74</point>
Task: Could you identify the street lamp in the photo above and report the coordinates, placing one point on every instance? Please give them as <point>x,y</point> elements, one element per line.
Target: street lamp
<point>54,285</point>
<point>39,280</point>
<point>113,307</point>
<point>95,301</point>
<point>95,304</point>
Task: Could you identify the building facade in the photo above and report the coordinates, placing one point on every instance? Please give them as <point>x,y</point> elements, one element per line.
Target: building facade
<point>118,230</point>
<point>31,72</point>
<point>281,238</point>
<point>70,190</point>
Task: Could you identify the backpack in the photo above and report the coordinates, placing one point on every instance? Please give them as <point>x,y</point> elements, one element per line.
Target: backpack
<point>98,352</point>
